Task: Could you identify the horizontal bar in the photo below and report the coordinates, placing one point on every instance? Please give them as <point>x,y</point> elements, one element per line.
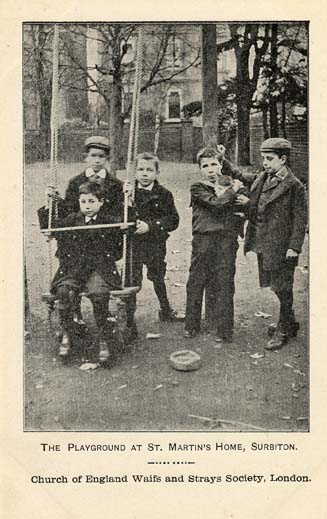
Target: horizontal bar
<point>89,227</point>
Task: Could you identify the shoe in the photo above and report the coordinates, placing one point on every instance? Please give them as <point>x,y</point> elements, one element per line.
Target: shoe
<point>169,315</point>
<point>104,353</point>
<point>293,329</point>
<point>189,334</point>
<point>277,342</point>
<point>272,328</point>
<point>65,345</point>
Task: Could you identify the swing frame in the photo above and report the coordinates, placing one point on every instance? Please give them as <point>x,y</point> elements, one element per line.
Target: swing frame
<point>125,292</point>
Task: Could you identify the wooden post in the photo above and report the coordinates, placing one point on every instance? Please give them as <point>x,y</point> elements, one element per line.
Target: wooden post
<point>209,85</point>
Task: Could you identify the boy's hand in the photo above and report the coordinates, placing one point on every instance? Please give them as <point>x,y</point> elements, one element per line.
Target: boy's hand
<point>291,253</point>
<point>51,192</point>
<point>237,185</point>
<point>141,227</point>
<point>128,188</point>
<point>241,200</point>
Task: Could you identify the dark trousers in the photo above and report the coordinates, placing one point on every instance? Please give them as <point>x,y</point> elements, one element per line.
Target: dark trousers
<point>69,303</point>
<point>152,255</point>
<point>213,269</point>
<point>281,282</point>
<point>286,312</point>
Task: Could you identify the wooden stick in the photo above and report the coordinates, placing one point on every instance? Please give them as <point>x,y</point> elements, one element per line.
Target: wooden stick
<point>228,422</point>
<point>89,227</point>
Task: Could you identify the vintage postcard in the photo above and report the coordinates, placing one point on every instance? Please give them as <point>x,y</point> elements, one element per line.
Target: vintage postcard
<point>163,296</point>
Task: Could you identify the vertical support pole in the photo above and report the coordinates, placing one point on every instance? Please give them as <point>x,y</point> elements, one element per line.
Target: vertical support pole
<point>209,85</point>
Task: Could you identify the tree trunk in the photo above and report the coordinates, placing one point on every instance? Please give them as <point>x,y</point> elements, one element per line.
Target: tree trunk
<point>116,127</point>
<point>43,83</point>
<point>265,122</point>
<point>273,103</point>
<point>157,127</point>
<point>209,85</point>
<point>45,95</point>
<point>243,102</point>
<point>243,118</point>
<point>283,121</point>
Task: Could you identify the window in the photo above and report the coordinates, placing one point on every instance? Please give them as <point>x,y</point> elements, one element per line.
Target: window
<point>173,106</point>
<point>174,54</point>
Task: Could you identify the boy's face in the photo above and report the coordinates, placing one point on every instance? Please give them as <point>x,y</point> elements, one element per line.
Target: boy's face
<point>271,162</point>
<point>96,159</point>
<point>146,172</point>
<point>210,168</point>
<point>89,204</point>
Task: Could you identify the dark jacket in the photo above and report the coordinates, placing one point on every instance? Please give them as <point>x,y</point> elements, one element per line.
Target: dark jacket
<point>283,219</point>
<point>114,196</point>
<point>81,252</point>
<point>158,210</point>
<point>212,213</point>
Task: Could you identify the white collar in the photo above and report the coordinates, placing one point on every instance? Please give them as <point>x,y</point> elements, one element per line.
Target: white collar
<point>147,188</point>
<point>90,218</point>
<point>89,173</point>
<point>282,173</point>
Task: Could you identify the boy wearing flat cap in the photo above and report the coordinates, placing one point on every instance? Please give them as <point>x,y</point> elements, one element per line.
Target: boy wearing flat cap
<point>277,213</point>
<point>96,154</point>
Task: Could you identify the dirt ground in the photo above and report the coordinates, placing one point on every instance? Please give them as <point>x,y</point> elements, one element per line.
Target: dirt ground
<point>238,383</point>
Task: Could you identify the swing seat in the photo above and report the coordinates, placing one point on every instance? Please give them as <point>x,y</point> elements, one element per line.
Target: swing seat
<point>125,293</point>
<point>122,293</point>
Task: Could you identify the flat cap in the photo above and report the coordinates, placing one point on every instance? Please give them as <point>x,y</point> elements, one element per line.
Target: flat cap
<point>276,143</point>
<point>97,141</point>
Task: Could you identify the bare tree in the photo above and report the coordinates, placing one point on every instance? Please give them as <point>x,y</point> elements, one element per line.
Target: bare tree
<point>37,64</point>
<point>247,38</point>
<point>108,77</point>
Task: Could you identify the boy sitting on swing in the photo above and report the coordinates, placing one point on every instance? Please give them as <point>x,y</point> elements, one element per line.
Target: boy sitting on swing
<point>96,155</point>
<point>86,263</point>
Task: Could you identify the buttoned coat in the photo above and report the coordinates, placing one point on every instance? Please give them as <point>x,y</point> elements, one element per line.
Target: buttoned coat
<point>158,211</point>
<point>80,252</point>
<point>283,218</point>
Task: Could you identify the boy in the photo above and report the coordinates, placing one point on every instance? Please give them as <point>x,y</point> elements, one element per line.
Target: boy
<point>215,229</point>
<point>86,263</point>
<point>277,214</point>
<point>228,173</point>
<point>96,156</point>
<point>156,216</point>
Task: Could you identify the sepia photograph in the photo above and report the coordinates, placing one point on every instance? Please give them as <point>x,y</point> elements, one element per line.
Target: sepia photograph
<point>166,237</point>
